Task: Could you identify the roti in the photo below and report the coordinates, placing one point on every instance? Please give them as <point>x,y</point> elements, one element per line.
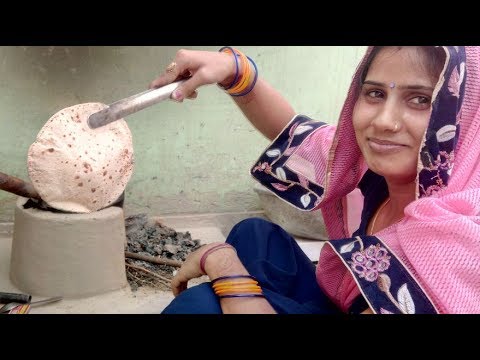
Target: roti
<point>78,169</point>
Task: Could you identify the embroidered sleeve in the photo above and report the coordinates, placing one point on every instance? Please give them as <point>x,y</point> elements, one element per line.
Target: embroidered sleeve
<point>387,285</point>
<point>294,165</point>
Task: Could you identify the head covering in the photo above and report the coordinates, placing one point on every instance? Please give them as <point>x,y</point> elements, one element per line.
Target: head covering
<point>78,169</point>
<point>430,260</point>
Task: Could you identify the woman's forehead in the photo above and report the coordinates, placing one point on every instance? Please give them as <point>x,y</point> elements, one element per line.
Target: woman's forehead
<point>406,65</point>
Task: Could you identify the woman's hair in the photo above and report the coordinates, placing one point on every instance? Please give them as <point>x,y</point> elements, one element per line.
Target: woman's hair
<point>435,56</point>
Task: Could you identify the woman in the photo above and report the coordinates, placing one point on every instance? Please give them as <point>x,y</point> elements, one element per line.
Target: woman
<point>410,116</point>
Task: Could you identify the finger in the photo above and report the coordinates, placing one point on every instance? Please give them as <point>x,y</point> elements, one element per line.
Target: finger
<point>178,283</point>
<point>186,74</point>
<point>171,73</point>
<point>182,287</point>
<point>188,88</point>
<point>177,288</point>
<point>174,283</point>
<point>193,95</point>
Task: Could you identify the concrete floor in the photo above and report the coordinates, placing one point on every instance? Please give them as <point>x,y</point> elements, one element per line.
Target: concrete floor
<point>208,228</point>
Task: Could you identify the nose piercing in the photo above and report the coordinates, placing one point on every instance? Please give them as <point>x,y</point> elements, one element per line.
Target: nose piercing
<point>396,127</point>
<point>391,85</point>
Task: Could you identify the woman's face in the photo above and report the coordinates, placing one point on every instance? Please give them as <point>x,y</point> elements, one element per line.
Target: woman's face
<point>392,112</point>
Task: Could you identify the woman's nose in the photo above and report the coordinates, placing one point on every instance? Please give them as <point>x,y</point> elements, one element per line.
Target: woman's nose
<point>388,118</point>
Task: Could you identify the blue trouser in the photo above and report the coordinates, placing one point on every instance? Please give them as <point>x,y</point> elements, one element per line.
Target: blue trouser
<point>274,258</point>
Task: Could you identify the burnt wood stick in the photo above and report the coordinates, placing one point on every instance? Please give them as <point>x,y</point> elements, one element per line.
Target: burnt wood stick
<point>153,259</point>
<point>17,186</point>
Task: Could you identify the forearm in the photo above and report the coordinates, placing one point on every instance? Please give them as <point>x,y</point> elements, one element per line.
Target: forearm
<point>266,109</point>
<point>225,262</point>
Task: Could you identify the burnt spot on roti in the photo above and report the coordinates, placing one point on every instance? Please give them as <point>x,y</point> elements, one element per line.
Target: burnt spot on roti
<point>87,166</point>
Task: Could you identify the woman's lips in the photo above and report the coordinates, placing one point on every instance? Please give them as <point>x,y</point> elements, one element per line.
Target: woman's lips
<point>384,146</point>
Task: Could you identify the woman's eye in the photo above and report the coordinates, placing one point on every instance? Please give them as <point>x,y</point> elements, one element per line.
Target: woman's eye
<point>375,94</point>
<point>421,100</point>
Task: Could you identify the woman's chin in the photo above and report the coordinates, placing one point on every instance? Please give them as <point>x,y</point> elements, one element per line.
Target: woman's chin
<point>395,174</point>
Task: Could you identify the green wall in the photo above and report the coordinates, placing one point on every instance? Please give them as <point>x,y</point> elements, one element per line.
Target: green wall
<point>189,158</point>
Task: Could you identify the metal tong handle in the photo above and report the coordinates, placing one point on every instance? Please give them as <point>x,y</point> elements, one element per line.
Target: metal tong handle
<point>11,305</point>
<point>132,104</point>
<point>46,301</point>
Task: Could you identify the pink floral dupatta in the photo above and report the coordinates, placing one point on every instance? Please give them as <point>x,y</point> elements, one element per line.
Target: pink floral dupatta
<point>429,262</point>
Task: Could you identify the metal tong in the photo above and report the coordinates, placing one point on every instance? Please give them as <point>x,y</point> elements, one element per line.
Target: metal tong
<point>130,105</point>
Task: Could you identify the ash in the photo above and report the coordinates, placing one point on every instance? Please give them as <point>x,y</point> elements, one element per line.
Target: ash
<point>149,237</point>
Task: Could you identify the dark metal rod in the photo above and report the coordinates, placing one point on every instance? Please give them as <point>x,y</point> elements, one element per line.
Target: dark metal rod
<point>13,297</point>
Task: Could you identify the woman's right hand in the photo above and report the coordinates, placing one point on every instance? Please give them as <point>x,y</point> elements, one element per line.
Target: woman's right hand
<point>199,68</point>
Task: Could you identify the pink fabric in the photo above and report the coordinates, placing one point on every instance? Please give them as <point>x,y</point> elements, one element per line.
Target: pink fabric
<point>311,158</point>
<point>353,208</point>
<point>439,239</point>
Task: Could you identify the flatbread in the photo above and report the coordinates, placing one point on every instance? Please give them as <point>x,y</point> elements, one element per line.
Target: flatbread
<point>78,169</point>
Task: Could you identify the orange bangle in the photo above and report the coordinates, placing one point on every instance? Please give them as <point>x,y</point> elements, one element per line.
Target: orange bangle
<point>229,287</point>
<point>229,283</point>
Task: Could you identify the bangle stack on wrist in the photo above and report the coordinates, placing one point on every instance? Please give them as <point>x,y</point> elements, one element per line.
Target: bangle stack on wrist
<point>245,76</point>
<point>236,286</point>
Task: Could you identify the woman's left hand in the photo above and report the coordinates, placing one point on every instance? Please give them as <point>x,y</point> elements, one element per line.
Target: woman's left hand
<point>190,269</point>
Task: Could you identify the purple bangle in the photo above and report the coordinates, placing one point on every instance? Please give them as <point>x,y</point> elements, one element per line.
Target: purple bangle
<point>253,82</point>
<point>209,251</point>
<point>241,295</point>
<point>236,68</point>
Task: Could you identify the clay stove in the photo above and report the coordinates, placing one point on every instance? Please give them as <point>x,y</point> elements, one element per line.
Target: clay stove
<point>68,254</point>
